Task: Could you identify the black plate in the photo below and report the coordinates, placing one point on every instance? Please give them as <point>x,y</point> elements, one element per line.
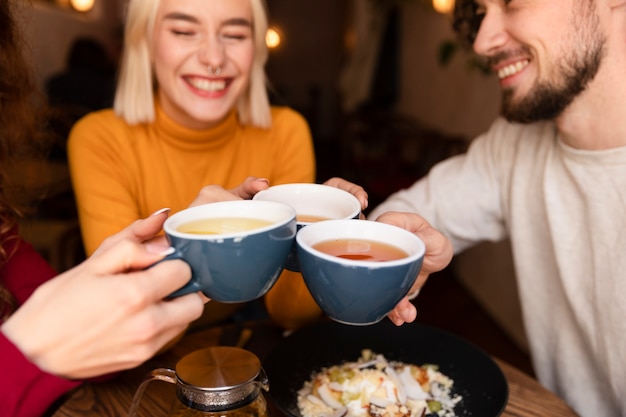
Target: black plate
<point>476,376</point>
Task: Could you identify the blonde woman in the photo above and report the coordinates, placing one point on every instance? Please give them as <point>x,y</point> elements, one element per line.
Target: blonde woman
<point>191,110</point>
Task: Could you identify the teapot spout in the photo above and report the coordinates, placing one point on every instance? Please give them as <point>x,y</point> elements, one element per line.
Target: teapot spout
<point>160,374</point>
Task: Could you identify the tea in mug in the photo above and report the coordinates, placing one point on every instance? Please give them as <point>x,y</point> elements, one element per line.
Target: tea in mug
<point>361,250</point>
<point>309,218</point>
<point>222,225</point>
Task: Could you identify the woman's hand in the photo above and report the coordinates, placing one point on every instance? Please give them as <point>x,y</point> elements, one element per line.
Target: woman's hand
<point>108,313</point>
<point>245,191</point>
<point>252,185</point>
<point>355,190</point>
<point>438,255</point>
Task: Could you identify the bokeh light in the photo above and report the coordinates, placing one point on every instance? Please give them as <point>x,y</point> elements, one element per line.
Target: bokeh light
<point>443,6</point>
<point>272,38</point>
<point>82,5</point>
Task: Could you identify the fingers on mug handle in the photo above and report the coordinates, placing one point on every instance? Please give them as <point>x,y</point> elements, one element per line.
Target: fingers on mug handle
<point>191,286</point>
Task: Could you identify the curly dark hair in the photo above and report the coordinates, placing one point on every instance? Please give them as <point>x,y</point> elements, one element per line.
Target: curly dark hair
<point>466,22</point>
<point>22,123</point>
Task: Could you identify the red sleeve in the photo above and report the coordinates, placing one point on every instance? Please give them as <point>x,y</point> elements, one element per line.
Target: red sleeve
<point>25,390</point>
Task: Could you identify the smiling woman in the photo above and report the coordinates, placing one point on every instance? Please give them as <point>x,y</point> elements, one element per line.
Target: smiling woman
<point>203,61</point>
<point>191,110</point>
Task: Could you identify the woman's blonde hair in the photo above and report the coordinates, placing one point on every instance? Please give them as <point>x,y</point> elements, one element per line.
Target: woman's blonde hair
<point>134,98</point>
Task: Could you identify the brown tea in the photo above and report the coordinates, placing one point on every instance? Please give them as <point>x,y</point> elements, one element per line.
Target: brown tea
<point>309,218</point>
<point>361,250</point>
<point>222,225</point>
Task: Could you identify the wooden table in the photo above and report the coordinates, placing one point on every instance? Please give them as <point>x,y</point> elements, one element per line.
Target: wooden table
<point>113,398</point>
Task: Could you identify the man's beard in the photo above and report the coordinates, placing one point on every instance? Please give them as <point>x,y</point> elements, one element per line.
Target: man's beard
<point>548,99</point>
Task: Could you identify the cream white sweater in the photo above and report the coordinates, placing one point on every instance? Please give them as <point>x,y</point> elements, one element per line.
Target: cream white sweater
<point>564,211</point>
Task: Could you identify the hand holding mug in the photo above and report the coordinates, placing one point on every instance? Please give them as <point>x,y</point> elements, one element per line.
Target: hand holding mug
<point>108,313</point>
<point>358,270</point>
<point>244,191</point>
<point>354,189</point>
<point>439,252</point>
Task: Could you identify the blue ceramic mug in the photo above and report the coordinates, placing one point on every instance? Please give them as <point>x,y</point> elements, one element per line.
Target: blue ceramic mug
<point>350,286</point>
<point>313,203</point>
<point>236,249</point>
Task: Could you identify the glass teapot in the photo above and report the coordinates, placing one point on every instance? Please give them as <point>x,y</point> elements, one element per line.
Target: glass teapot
<point>219,381</point>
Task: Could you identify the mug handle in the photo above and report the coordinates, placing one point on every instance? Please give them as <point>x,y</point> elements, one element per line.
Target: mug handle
<point>190,287</point>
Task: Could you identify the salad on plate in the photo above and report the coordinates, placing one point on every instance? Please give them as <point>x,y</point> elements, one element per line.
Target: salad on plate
<point>374,386</point>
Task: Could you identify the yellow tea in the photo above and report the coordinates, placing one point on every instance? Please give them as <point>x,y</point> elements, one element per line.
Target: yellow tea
<point>221,225</point>
<point>308,218</point>
<point>361,250</point>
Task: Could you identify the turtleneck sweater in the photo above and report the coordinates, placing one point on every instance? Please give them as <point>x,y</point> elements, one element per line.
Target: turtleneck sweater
<point>123,172</point>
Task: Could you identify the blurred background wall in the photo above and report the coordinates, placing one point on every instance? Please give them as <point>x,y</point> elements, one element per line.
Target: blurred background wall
<point>306,69</point>
<point>52,29</point>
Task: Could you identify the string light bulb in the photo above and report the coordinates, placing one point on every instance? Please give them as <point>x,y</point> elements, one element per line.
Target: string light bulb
<point>443,6</point>
<point>82,5</point>
<point>272,38</point>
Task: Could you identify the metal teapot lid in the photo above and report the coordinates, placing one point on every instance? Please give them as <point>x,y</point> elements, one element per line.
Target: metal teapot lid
<point>220,377</point>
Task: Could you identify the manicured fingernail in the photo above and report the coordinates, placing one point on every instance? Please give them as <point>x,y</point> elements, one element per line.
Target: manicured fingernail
<point>264,180</point>
<point>167,251</point>
<point>163,210</point>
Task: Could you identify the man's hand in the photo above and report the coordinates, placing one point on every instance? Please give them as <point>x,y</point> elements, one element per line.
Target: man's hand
<point>438,255</point>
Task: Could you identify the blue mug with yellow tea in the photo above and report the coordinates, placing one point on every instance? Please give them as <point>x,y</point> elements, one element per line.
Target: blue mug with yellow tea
<point>236,249</point>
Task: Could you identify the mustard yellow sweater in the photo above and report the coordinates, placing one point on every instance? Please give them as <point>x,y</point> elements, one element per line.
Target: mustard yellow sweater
<point>121,173</point>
